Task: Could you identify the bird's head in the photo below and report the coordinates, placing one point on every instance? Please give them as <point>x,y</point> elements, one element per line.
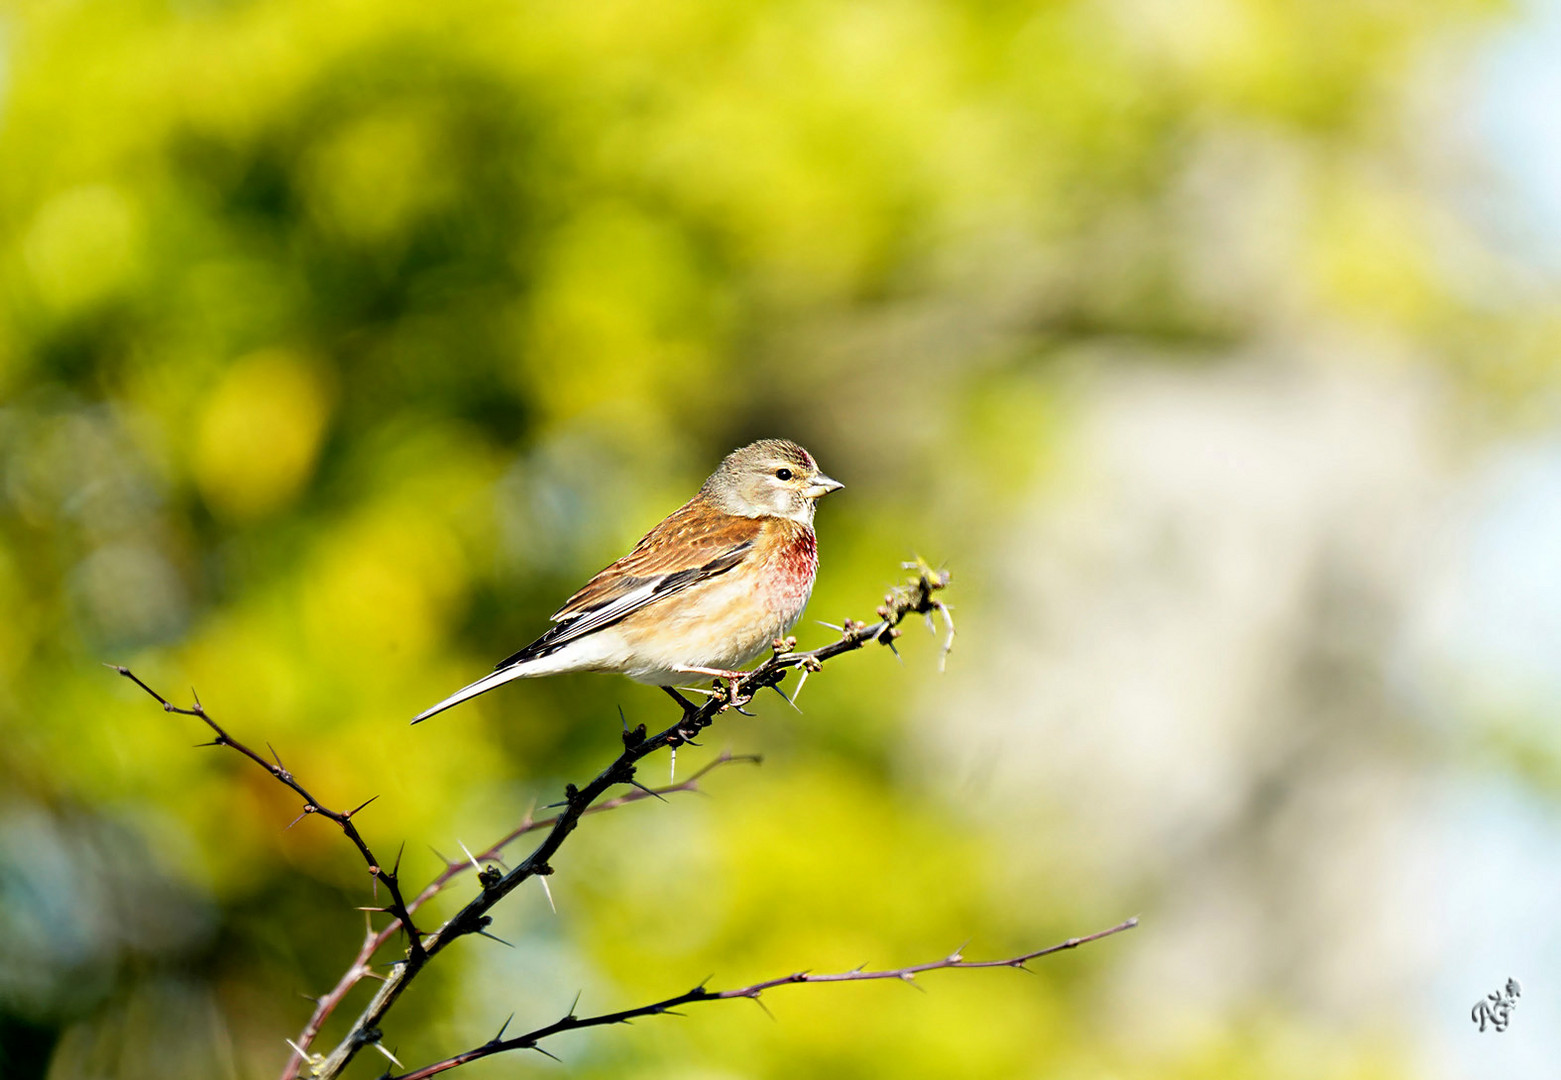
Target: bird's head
<point>769,478</point>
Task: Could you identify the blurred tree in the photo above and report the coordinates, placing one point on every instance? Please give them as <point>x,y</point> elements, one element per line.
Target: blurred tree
<point>338,340</point>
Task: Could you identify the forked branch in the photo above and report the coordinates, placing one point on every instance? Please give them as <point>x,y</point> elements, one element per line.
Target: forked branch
<point>374,940</point>
<point>398,907</point>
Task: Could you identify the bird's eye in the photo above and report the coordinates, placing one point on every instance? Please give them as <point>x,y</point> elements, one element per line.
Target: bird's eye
<point>783,474</point>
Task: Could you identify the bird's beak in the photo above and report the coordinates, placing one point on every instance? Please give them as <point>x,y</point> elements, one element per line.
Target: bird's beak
<point>821,486</point>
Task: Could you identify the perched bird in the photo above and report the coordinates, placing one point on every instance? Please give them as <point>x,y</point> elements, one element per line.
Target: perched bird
<point>702,593</point>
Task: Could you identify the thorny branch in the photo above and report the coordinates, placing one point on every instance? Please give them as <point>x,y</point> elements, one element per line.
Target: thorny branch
<point>401,909</point>
<point>397,905</point>
<point>570,1022</point>
<point>374,940</point>
<point>916,596</point>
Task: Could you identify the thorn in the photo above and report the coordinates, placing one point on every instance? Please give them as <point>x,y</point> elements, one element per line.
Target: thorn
<point>470,856</point>
<point>197,699</point>
<point>214,742</point>
<point>948,642</point>
<point>307,811</point>
<point>396,869</point>
<point>765,1008</point>
<point>624,718</point>
<point>648,791</point>
<point>672,773</point>
<point>491,937</point>
<point>802,681</point>
<point>896,652</point>
<point>544,1053</point>
<point>549,893</point>
<point>275,757</point>
<point>360,806</point>
<point>502,1029</point>
<point>574,1004</point>
<point>378,1046</point>
<point>836,629</point>
<point>440,856</point>
<point>782,693</point>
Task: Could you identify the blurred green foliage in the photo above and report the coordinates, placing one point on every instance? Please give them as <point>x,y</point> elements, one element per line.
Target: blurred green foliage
<point>339,341</point>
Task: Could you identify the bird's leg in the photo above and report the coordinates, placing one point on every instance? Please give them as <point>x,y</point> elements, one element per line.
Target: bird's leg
<point>710,672</point>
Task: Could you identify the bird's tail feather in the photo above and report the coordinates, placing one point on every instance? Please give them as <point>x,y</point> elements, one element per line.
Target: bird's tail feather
<point>481,686</point>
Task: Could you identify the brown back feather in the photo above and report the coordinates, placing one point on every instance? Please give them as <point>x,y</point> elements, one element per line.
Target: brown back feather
<point>693,536</point>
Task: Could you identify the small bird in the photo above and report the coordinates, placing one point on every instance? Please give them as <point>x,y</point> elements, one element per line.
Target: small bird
<point>703,593</point>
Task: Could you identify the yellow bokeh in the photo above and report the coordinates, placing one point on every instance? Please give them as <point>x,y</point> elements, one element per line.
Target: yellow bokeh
<point>370,180</point>
<point>82,244</point>
<point>381,589</point>
<point>622,318</point>
<point>259,432</point>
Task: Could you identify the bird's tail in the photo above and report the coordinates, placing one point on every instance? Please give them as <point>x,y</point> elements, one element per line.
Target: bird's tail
<point>481,686</point>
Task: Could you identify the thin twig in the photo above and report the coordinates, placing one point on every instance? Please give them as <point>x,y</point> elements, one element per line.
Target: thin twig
<point>343,819</point>
<point>570,1022</point>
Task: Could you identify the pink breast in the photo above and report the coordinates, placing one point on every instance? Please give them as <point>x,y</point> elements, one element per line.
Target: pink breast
<point>796,564</point>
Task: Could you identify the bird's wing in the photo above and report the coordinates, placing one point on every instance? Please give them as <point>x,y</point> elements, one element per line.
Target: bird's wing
<point>691,545</point>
